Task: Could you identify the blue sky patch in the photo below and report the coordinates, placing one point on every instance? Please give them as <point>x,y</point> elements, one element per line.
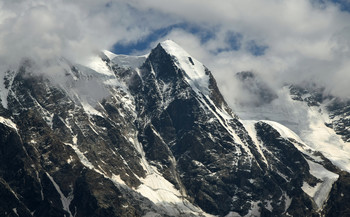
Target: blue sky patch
<point>256,49</point>
<point>234,40</point>
<point>144,43</point>
<point>344,5</point>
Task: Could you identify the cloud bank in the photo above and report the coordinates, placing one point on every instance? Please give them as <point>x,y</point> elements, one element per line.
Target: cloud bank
<point>284,41</point>
<point>301,40</point>
<point>43,30</point>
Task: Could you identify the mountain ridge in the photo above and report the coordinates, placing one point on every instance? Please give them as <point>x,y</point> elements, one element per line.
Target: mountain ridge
<point>151,139</point>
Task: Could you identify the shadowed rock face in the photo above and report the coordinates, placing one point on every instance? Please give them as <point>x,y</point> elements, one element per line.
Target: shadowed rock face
<point>339,112</point>
<point>66,153</point>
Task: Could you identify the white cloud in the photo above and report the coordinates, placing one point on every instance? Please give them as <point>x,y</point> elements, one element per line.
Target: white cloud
<point>73,29</point>
<point>305,39</point>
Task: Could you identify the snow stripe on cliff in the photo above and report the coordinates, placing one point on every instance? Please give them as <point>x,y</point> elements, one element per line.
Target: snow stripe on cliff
<point>65,200</point>
<point>8,123</point>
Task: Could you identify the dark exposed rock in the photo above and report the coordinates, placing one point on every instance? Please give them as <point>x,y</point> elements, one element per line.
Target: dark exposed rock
<point>309,93</point>
<point>339,112</point>
<point>339,199</point>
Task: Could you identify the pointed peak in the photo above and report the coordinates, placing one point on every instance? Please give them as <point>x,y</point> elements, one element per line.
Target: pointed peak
<point>169,42</point>
<point>195,73</point>
<point>173,48</point>
<point>109,54</point>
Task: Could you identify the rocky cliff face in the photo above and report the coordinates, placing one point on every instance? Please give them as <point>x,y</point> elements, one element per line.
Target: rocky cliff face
<point>152,136</point>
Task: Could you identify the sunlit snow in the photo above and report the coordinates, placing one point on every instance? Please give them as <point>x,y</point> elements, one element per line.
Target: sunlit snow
<point>195,73</point>
<point>8,123</point>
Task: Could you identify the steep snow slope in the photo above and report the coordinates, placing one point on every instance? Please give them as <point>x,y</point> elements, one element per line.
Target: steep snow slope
<point>126,61</point>
<point>195,70</point>
<point>321,190</point>
<point>308,122</point>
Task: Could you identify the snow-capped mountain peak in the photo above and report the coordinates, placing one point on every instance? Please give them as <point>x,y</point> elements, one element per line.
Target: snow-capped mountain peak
<point>195,71</point>
<point>109,54</point>
<point>153,136</point>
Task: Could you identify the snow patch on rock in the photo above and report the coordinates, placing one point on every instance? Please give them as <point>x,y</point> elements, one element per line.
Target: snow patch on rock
<point>65,200</point>
<point>321,190</point>
<point>8,123</point>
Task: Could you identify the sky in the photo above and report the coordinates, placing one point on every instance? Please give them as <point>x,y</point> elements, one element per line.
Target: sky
<point>282,41</point>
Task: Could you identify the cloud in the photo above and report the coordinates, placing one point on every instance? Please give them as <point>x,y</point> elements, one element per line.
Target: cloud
<point>281,40</point>
<point>41,30</point>
<point>47,31</point>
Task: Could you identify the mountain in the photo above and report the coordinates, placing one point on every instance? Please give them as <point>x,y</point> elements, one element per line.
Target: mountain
<point>153,136</point>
